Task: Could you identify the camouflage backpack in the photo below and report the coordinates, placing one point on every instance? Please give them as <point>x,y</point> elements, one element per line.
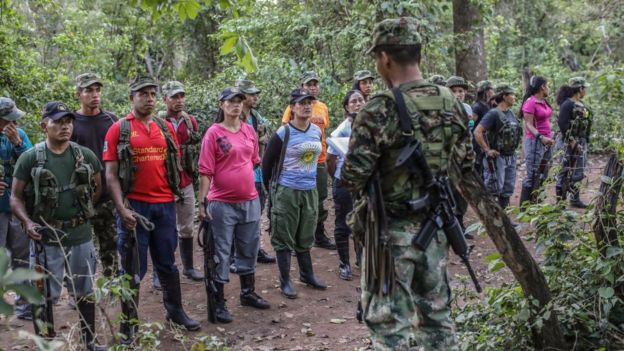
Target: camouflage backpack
<point>42,193</point>
<point>579,123</point>
<point>126,162</point>
<point>189,152</point>
<point>507,138</point>
<point>263,130</point>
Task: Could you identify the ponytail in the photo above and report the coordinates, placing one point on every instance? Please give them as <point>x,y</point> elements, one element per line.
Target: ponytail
<point>566,92</point>
<point>220,116</point>
<point>535,84</point>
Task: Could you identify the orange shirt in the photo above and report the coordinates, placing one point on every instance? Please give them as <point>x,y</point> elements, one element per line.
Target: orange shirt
<point>320,117</point>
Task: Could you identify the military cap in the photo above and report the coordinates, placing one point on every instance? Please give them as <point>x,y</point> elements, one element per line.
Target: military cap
<point>8,110</point>
<point>578,82</point>
<point>484,85</point>
<point>86,80</point>
<point>229,93</point>
<point>172,87</point>
<point>438,79</point>
<point>247,86</point>
<point>298,95</point>
<point>56,110</point>
<point>308,76</point>
<point>396,31</point>
<point>141,81</point>
<point>504,88</point>
<point>361,75</point>
<point>455,81</point>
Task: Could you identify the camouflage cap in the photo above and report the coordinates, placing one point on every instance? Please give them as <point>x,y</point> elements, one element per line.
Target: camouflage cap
<point>578,82</point>
<point>8,110</point>
<point>86,80</point>
<point>484,85</point>
<point>141,81</point>
<point>247,86</point>
<point>229,93</point>
<point>361,75</point>
<point>308,76</point>
<point>438,79</point>
<point>456,81</point>
<point>56,110</point>
<point>504,88</point>
<point>172,87</point>
<point>396,31</point>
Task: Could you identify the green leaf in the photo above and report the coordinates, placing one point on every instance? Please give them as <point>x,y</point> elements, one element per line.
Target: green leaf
<point>228,45</point>
<point>492,257</point>
<point>21,275</point>
<point>613,251</point>
<point>4,261</point>
<point>606,292</point>
<point>5,308</point>
<point>32,294</point>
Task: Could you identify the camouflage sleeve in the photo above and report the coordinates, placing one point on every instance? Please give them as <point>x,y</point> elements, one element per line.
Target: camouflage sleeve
<point>462,155</point>
<point>364,150</point>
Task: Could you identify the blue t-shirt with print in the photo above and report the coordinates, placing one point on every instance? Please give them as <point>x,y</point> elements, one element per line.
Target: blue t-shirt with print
<point>9,153</point>
<point>302,154</point>
<point>343,131</point>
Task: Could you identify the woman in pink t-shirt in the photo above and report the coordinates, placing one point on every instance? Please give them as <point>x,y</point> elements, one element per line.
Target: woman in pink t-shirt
<point>228,198</point>
<point>538,138</point>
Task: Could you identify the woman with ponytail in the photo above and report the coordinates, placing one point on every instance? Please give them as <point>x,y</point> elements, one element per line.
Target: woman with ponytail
<point>574,124</point>
<point>538,136</point>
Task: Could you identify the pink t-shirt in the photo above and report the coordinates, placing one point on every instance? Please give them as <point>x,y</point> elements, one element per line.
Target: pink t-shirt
<point>542,113</point>
<point>229,158</point>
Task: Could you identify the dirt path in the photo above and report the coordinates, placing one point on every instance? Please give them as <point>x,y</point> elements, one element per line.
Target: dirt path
<point>316,320</point>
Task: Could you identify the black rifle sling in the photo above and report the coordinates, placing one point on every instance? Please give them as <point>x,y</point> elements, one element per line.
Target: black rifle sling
<point>404,121</point>
<point>277,171</point>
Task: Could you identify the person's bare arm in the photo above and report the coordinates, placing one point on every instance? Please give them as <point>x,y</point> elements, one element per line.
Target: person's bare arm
<point>529,124</point>
<point>479,135</point>
<point>18,207</point>
<point>204,187</point>
<point>114,189</point>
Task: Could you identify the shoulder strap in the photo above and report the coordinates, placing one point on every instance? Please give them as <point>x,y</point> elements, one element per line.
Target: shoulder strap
<point>405,123</point>
<point>40,153</point>
<point>280,163</point>
<point>77,152</point>
<point>107,114</point>
<point>189,123</point>
<point>124,130</point>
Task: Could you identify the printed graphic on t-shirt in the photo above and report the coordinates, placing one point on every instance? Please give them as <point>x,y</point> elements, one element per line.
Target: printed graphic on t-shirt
<point>224,144</point>
<point>302,157</point>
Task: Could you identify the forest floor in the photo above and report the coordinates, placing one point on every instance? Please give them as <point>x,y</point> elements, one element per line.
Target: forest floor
<point>316,320</point>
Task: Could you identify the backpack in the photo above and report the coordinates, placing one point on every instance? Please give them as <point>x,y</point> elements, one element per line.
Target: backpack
<point>579,123</point>
<point>127,167</point>
<point>42,193</point>
<point>189,152</point>
<point>507,138</point>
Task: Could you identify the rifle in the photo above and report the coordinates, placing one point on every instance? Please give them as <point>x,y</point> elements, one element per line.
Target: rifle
<point>43,315</point>
<point>440,205</point>
<point>210,265</point>
<point>493,171</point>
<point>573,150</point>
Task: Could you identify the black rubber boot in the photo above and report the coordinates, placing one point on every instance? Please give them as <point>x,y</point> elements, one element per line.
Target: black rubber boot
<point>172,299</point>
<point>503,201</point>
<point>87,325</point>
<point>342,246</point>
<point>525,195</point>
<point>575,198</point>
<point>283,263</point>
<point>321,240</point>
<point>264,257</point>
<point>128,326</point>
<point>306,272</point>
<point>221,312</point>
<point>248,296</point>
<point>186,255</point>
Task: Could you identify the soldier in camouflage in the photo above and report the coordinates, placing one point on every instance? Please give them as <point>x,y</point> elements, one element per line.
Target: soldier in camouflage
<point>416,314</point>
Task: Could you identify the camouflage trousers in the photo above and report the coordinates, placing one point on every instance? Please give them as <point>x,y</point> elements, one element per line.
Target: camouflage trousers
<point>417,316</point>
<point>105,232</point>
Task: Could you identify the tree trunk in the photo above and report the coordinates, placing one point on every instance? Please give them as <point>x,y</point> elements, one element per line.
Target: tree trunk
<point>470,61</point>
<point>605,224</point>
<point>516,257</point>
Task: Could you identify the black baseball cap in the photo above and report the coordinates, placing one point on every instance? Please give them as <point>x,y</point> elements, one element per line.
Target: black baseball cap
<point>56,110</point>
<point>229,93</point>
<point>298,95</point>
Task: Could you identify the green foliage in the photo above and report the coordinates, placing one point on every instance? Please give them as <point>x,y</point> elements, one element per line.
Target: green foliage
<point>586,290</point>
<point>16,280</point>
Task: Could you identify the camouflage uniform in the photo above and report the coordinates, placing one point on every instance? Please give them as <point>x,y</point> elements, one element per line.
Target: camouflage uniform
<point>417,313</point>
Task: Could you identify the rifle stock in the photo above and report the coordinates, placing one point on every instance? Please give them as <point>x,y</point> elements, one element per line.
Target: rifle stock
<point>208,246</point>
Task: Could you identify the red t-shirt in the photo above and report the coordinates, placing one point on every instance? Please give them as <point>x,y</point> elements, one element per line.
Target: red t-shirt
<point>182,132</point>
<point>150,153</point>
<point>229,158</point>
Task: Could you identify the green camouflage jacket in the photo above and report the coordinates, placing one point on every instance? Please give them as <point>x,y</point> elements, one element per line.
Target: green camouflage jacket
<point>376,142</point>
